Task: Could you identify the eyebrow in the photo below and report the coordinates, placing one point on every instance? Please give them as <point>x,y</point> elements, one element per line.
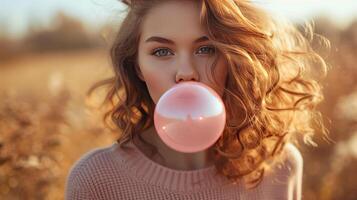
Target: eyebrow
<point>167,41</point>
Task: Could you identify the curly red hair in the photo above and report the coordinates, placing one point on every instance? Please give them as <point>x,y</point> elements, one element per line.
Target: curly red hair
<point>270,81</point>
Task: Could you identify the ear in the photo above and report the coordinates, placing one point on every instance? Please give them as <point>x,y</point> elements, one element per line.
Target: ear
<point>138,72</point>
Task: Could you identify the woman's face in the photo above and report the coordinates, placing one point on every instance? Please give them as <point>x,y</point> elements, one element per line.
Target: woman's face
<point>174,47</point>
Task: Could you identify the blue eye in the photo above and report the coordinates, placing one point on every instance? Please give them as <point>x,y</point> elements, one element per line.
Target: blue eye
<point>161,52</point>
<point>208,49</point>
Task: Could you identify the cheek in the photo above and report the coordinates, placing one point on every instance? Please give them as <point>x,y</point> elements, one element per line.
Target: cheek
<point>221,81</point>
<point>156,78</point>
<point>220,75</point>
<point>154,85</point>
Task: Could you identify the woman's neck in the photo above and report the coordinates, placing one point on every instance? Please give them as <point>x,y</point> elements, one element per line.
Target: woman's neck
<point>171,158</point>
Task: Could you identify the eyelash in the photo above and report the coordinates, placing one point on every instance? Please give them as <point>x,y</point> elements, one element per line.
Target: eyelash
<point>159,49</point>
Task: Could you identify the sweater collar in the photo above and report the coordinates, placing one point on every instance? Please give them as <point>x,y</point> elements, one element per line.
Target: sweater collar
<point>144,169</point>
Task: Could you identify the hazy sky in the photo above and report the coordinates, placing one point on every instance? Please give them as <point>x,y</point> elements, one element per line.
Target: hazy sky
<point>15,15</point>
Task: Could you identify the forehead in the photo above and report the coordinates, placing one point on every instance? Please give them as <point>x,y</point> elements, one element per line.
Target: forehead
<point>174,19</point>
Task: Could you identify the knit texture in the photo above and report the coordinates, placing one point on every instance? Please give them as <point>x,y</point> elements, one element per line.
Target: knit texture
<point>112,172</point>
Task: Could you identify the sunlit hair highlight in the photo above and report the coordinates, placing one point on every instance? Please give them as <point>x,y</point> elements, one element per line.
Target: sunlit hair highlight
<point>271,84</point>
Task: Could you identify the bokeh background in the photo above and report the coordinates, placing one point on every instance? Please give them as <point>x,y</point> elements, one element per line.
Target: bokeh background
<point>51,52</point>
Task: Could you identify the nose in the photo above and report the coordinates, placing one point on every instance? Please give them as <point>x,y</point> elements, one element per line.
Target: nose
<point>187,72</point>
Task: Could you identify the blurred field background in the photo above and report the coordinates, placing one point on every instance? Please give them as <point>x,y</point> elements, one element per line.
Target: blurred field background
<point>46,125</point>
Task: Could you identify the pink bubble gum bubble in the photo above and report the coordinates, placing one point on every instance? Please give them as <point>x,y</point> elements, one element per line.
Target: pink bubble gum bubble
<point>190,117</point>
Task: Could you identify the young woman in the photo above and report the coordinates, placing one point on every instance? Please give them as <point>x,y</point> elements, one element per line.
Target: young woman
<point>261,68</point>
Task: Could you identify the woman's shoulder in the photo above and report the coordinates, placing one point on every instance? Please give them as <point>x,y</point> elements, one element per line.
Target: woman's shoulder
<point>292,157</point>
<point>290,161</point>
<point>89,164</point>
<point>90,158</point>
<point>80,179</point>
<point>293,161</point>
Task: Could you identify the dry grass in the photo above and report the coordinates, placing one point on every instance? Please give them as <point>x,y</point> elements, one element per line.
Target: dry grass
<point>45,126</point>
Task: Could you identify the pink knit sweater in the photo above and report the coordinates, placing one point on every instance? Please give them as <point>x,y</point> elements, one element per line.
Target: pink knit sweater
<point>114,173</point>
